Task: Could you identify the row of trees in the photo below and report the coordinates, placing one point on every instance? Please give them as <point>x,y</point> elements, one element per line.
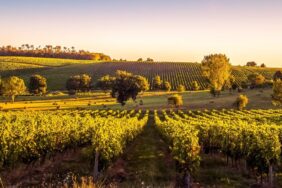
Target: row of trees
<point>51,52</point>
<point>254,64</point>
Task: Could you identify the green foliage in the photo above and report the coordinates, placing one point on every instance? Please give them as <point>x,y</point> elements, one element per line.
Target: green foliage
<point>42,133</point>
<point>277,91</point>
<point>242,101</point>
<point>13,86</point>
<point>181,88</point>
<point>256,80</point>
<point>183,140</point>
<point>157,83</point>
<point>105,83</point>
<point>175,100</point>
<point>166,86</point>
<point>85,82</point>
<point>126,86</point>
<point>217,69</point>
<point>277,75</point>
<point>239,136</point>
<point>37,84</point>
<point>79,83</point>
<point>195,86</point>
<point>251,64</point>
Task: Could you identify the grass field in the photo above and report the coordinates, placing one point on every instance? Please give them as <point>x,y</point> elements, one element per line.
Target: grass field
<point>200,100</point>
<point>57,71</point>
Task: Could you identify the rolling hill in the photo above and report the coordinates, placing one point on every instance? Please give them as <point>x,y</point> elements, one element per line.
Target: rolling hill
<point>57,71</point>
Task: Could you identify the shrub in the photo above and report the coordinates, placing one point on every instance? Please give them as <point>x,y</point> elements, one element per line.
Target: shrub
<point>277,91</point>
<point>195,86</point>
<point>242,101</point>
<point>167,86</point>
<point>181,88</point>
<point>175,100</point>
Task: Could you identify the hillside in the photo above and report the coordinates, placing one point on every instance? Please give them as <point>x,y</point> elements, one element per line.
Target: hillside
<point>58,70</point>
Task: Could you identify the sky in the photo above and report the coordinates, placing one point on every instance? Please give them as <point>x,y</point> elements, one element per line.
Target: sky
<point>165,30</point>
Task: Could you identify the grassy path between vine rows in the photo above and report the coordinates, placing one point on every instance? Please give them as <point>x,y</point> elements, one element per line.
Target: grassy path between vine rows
<point>146,162</point>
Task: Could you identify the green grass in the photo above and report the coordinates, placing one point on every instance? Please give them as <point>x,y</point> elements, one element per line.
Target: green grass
<point>200,100</point>
<point>214,172</point>
<point>148,162</point>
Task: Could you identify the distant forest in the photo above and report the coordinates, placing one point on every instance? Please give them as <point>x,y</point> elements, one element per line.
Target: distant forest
<point>52,52</point>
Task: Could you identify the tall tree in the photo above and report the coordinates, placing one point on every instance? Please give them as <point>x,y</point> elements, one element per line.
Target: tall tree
<point>126,86</point>
<point>217,69</point>
<point>13,86</point>
<point>37,84</point>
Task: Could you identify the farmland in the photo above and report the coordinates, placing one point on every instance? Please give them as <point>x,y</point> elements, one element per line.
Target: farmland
<point>57,71</point>
<point>75,146</point>
<point>57,139</point>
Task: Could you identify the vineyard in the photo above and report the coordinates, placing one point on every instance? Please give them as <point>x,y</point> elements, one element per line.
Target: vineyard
<point>248,140</point>
<point>57,71</point>
<point>251,139</point>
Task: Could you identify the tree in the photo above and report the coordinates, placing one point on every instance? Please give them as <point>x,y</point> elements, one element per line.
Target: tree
<point>140,59</point>
<point>242,101</point>
<point>251,64</point>
<point>216,68</point>
<point>175,100</point>
<point>263,65</point>
<point>37,84</point>
<point>195,86</point>
<point>126,86</point>
<point>277,75</point>
<point>73,84</point>
<point>150,59</point>
<point>105,83</point>
<point>166,86</point>
<point>277,91</point>
<point>157,83</point>
<point>13,86</point>
<point>260,80</point>
<point>181,88</point>
<point>85,83</point>
<point>256,80</point>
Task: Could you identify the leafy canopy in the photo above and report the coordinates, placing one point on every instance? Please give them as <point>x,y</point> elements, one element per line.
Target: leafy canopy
<point>13,86</point>
<point>126,86</point>
<point>217,69</point>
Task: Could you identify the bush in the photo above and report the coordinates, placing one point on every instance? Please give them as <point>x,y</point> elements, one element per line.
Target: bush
<point>242,101</point>
<point>175,100</point>
<point>181,88</point>
<point>166,86</point>
<point>195,86</point>
<point>277,91</point>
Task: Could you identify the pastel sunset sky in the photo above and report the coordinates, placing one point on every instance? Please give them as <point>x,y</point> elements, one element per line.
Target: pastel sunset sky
<point>174,30</point>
